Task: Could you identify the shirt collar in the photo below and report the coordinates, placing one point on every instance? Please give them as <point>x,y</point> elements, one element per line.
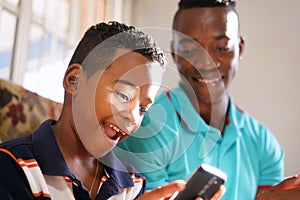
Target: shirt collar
<point>52,162</point>
<point>236,116</point>
<point>47,152</point>
<point>188,114</point>
<point>118,171</point>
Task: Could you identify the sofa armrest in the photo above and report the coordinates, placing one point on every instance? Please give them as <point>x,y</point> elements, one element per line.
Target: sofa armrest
<point>22,111</point>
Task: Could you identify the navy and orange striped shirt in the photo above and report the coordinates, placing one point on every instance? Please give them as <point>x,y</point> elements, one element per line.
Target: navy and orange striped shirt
<point>33,167</point>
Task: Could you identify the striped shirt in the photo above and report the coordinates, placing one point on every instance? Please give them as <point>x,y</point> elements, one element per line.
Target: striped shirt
<point>33,167</point>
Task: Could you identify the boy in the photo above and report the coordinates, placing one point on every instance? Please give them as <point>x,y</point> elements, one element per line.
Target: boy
<point>110,83</point>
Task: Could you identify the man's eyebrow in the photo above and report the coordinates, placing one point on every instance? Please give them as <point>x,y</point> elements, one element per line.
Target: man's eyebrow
<point>125,82</point>
<point>223,36</point>
<point>186,39</point>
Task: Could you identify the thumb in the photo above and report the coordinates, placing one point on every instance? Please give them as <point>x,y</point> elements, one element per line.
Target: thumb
<point>164,191</point>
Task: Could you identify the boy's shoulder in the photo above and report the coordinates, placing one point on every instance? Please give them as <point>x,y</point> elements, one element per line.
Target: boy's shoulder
<point>19,147</point>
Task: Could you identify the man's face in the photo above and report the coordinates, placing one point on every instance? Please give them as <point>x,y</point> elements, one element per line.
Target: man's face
<point>110,107</point>
<point>206,50</point>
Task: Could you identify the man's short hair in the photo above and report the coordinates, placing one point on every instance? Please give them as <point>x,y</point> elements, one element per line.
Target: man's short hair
<point>184,4</point>
<point>187,4</point>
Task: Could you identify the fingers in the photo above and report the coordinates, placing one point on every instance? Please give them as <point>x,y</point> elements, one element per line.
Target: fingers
<point>288,183</point>
<point>291,194</point>
<point>164,191</point>
<point>219,193</point>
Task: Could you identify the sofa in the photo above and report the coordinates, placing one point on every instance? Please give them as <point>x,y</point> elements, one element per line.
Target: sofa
<point>22,111</point>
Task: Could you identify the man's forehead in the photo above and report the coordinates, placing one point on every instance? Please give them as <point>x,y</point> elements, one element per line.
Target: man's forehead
<point>206,14</point>
<point>200,20</point>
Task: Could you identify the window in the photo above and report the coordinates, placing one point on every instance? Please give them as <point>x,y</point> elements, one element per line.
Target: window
<point>49,47</point>
<point>7,32</point>
<point>37,38</point>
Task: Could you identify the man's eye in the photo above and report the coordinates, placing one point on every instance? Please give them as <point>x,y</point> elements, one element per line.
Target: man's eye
<point>122,97</point>
<point>188,52</point>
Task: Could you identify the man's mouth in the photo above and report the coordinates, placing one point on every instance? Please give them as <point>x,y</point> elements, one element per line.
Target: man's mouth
<point>210,81</point>
<point>114,132</point>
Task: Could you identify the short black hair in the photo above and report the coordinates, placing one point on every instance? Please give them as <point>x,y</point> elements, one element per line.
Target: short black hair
<point>184,4</point>
<point>187,4</point>
<point>101,41</point>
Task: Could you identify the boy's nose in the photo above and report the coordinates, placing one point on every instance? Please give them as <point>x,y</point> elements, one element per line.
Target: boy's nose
<point>132,115</point>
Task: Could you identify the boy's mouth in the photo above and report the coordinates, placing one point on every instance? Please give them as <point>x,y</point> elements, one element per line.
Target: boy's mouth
<point>113,132</point>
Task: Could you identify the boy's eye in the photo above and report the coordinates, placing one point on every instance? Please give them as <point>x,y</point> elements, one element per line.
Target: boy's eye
<point>124,98</point>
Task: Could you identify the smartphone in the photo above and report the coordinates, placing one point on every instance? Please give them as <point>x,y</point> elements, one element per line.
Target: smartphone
<point>204,182</point>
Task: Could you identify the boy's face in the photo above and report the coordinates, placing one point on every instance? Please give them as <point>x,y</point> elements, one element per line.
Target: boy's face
<point>109,105</point>
<point>207,51</point>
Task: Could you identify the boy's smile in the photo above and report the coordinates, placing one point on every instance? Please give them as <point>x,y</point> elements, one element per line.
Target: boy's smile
<point>110,105</point>
<point>113,132</point>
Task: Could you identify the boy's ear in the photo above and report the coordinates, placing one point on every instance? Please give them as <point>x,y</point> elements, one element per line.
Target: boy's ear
<point>71,79</point>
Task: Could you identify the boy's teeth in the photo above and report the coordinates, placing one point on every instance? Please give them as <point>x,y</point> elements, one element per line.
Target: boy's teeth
<point>116,129</point>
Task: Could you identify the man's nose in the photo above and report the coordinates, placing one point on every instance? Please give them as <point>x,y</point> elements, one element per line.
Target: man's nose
<point>202,59</point>
<point>204,62</point>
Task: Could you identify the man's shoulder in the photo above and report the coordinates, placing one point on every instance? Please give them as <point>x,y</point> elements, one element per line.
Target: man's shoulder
<point>161,98</point>
<point>253,123</point>
<point>250,125</point>
<point>168,96</point>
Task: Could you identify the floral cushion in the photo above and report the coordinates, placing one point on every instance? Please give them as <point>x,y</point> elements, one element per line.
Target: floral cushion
<point>22,111</point>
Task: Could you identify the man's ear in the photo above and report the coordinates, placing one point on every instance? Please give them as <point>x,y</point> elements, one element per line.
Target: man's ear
<point>174,56</point>
<point>241,47</point>
<point>71,79</point>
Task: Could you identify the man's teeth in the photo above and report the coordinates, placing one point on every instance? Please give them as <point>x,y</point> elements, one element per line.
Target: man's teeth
<point>209,81</point>
<point>116,129</point>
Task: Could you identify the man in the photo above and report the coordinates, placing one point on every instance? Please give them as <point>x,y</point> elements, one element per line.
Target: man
<point>198,122</point>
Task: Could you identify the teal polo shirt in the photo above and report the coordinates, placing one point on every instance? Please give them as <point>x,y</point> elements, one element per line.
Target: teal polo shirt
<point>174,140</point>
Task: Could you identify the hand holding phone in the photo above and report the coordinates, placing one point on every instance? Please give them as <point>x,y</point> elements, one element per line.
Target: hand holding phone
<point>204,183</point>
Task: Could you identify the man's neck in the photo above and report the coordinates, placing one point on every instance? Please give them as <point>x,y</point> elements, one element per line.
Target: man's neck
<point>214,114</point>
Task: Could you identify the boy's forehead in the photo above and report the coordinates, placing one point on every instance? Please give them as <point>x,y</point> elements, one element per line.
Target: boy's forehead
<point>127,60</point>
<point>140,75</point>
<point>134,68</point>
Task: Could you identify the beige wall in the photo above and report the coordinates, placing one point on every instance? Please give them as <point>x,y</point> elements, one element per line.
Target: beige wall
<point>267,85</point>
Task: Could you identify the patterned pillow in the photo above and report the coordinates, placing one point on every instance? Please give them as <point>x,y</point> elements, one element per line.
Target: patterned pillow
<point>22,111</point>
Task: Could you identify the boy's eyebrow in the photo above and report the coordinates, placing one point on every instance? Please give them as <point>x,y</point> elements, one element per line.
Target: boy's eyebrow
<point>125,82</point>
